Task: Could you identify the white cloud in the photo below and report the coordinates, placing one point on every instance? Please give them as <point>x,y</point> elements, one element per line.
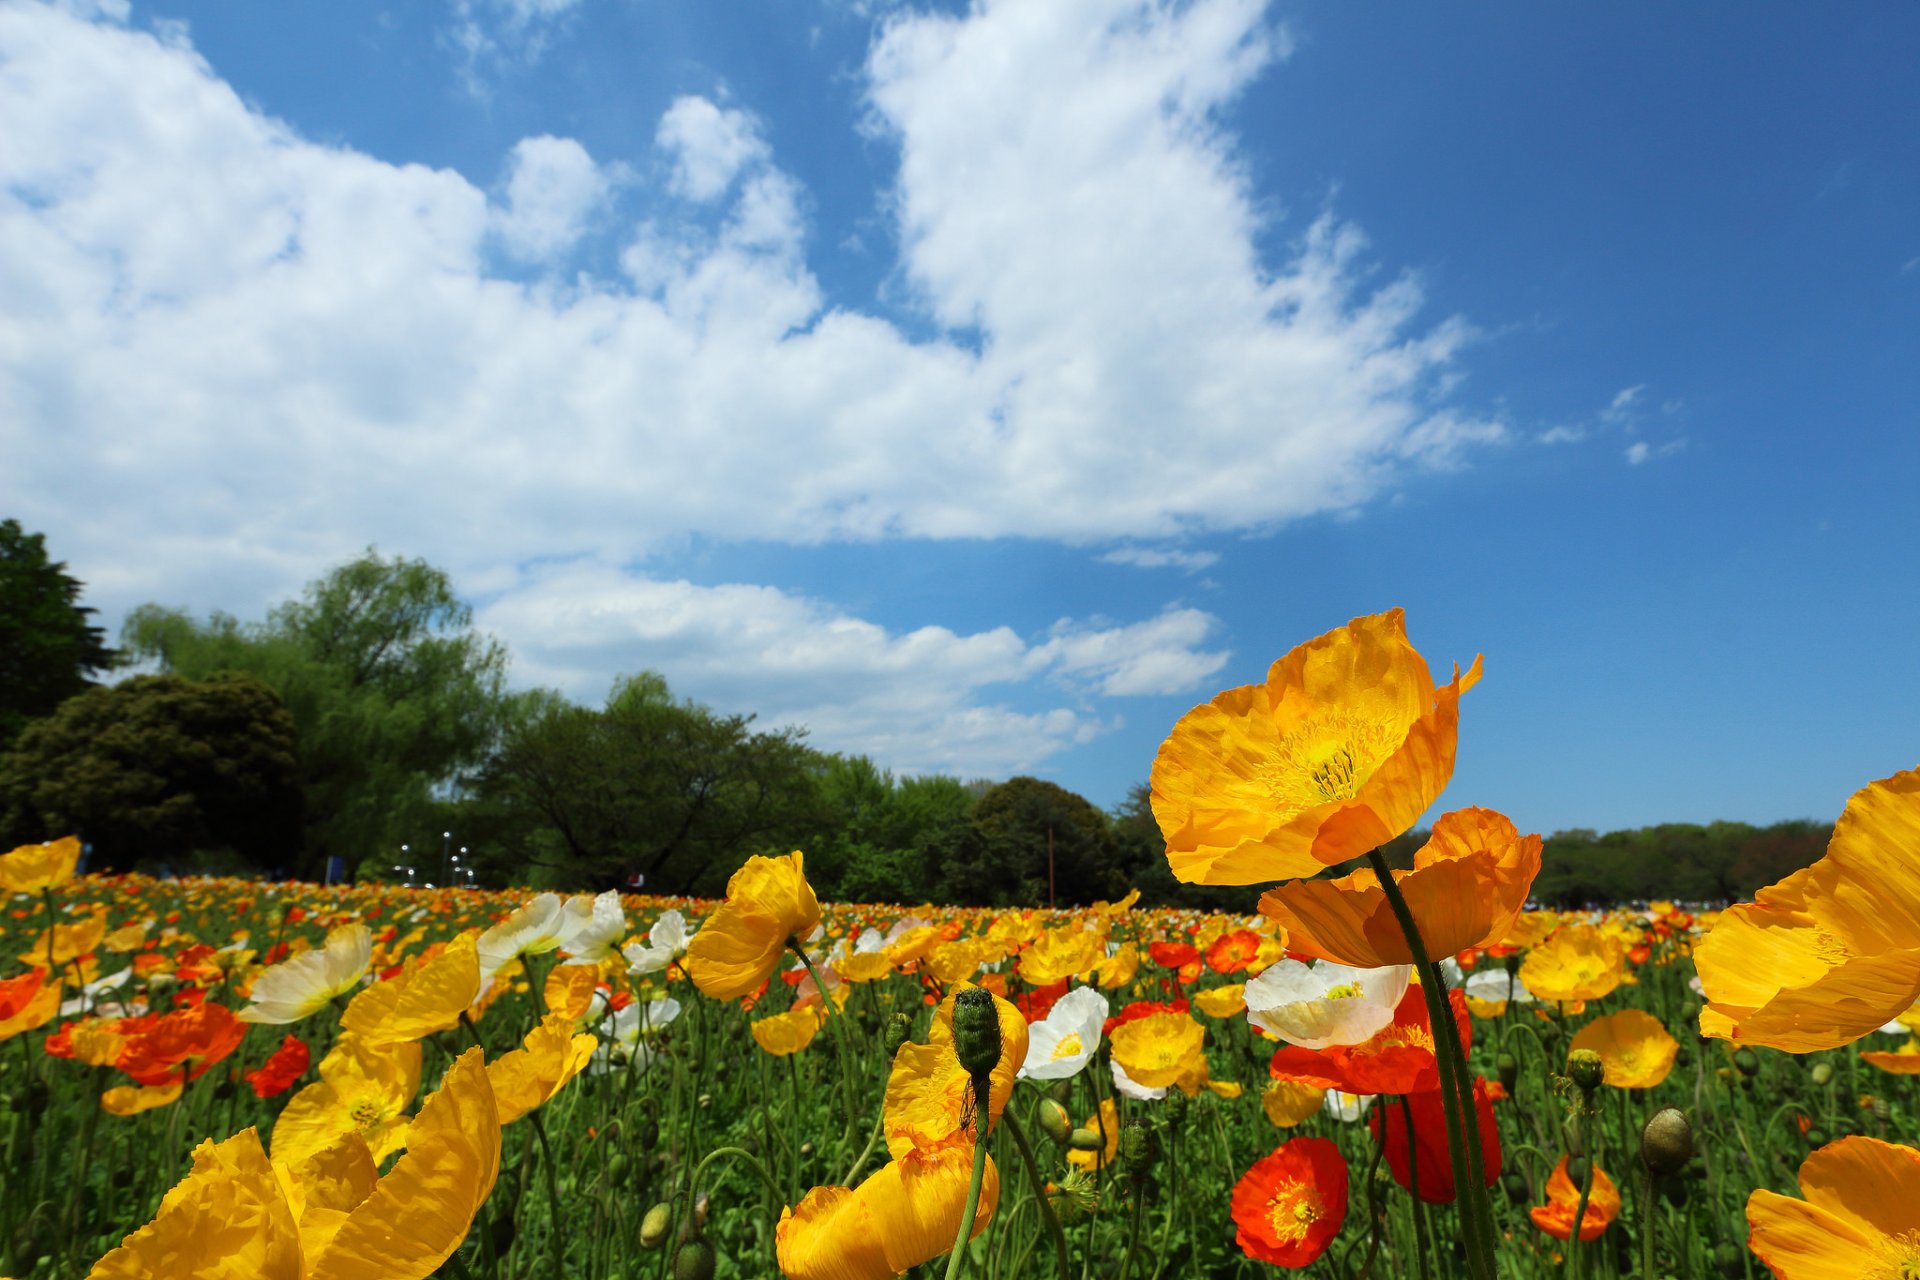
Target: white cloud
<point>1162,558</point>
<point>920,700</point>
<point>231,356</point>
<point>493,34</point>
<point>709,146</point>
<point>553,188</point>
<point>1640,451</point>
<point>1563,435</point>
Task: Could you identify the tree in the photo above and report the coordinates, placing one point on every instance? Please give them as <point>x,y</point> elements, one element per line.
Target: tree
<point>1004,858</point>
<point>393,693</point>
<point>48,649</point>
<point>885,839</point>
<point>650,784</point>
<point>159,768</point>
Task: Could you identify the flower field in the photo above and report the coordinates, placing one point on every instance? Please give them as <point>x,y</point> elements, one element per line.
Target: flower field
<point>1383,1072</point>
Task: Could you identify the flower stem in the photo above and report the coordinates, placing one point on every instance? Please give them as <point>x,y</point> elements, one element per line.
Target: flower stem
<point>982,1117</point>
<point>1013,1130</point>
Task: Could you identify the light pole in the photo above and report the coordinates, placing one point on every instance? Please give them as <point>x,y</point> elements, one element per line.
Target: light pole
<point>446,851</point>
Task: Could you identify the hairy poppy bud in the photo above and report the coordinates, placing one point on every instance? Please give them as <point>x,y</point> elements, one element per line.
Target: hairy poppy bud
<point>1508,1068</point>
<point>694,1261</point>
<point>1747,1062</point>
<point>1087,1140</point>
<point>898,1030</point>
<point>1061,1091</point>
<point>654,1227</point>
<point>502,1232</point>
<point>1053,1121</point>
<point>1822,1072</point>
<point>976,1031</point>
<point>1666,1143</point>
<point>1882,1110</point>
<point>1176,1107</point>
<point>1586,1069</point>
<point>1136,1148</point>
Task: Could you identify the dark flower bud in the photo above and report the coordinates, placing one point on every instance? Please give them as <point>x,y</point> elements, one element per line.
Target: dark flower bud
<point>898,1031</point>
<point>1586,1069</point>
<point>976,1031</point>
<point>1515,1185</point>
<point>1816,1137</point>
<point>1136,1148</point>
<point>1176,1107</point>
<point>502,1231</point>
<point>694,1261</point>
<point>1508,1068</point>
<point>1747,1062</point>
<point>1666,1143</point>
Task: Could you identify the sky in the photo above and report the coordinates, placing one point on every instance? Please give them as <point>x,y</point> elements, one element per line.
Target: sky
<point>981,387</point>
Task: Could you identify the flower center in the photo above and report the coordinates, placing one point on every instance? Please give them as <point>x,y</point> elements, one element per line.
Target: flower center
<point>1899,1258</point>
<point>1068,1046</point>
<point>1328,757</point>
<point>1292,1212</point>
<point>1345,991</point>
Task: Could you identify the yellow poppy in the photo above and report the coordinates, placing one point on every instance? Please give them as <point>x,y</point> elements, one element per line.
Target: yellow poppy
<point>226,1220</point>
<point>1833,951</point>
<point>1118,969</point>
<point>1635,1049</point>
<point>1340,750</point>
<point>1577,963</point>
<point>1860,1217</point>
<point>531,1075</point>
<point>364,1088</point>
<point>1222,1002</point>
<point>27,1001</point>
<point>929,1092</point>
<point>569,990</point>
<point>768,904</point>
<point>1291,1102</point>
<point>132,1099</point>
<point>425,999</point>
<point>1468,886</point>
<point>1157,1050</point>
<point>787,1033</point>
<point>903,1215</point>
<point>69,942</point>
<point>1061,953</point>
<point>1904,1061</point>
<point>32,868</point>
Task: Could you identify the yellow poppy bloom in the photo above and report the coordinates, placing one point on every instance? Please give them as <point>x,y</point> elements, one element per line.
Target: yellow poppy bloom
<point>364,1088</point>
<point>1860,1217</point>
<point>1577,963</point>
<point>901,1216</point>
<point>32,868</point>
<point>228,1219</point>
<point>1118,969</point>
<point>787,1033</point>
<point>529,1076</point>
<point>1291,1102</point>
<point>132,1099</point>
<point>1157,1050</point>
<point>569,990</point>
<point>27,1001</point>
<point>1833,951</point>
<point>1340,750</point>
<point>1222,1002</point>
<point>1634,1048</point>
<point>69,942</point>
<point>928,1091</point>
<point>425,999</point>
<point>768,903</point>
<point>1061,953</point>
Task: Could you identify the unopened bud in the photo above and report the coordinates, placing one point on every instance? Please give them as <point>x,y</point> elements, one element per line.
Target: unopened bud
<point>1176,1107</point>
<point>1136,1148</point>
<point>654,1227</point>
<point>1586,1069</point>
<point>1666,1143</point>
<point>694,1261</point>
<point>1882,1110</point>
<point>1087,1140</point>
<point>1054,1121</point>
<point>1515,1185</point>
<point>976,1031</point>
<point>1747,1062</point>
<point>1508,1068</point>
<point>898,1030</point>
<point>1821,1073</point>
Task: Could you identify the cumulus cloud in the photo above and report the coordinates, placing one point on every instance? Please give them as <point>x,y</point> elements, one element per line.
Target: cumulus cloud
<point>929,699</point>
<point>246,355</point>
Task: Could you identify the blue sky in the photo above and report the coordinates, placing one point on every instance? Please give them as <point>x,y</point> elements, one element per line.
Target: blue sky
<point>982,387</point>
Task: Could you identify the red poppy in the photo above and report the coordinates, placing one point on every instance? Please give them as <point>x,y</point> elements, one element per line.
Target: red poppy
<point>1143,1009</point>
<point>277,1074</point>
<point>1037,1003</point>
<point>1233,951</point>
<point>1397,1059</point>
<point>193,1039</point>
<point>1291,1204</point>
<point>1171,955</point>
<point>1429,1144</point>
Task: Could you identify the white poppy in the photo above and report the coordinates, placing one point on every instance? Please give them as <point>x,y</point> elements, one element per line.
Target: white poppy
<point>1127,1085</point>
<point>603,922</point>
<point>537,926</point>
<point>1324,1004</point>
<point>294,988</point>
<point>1497,986</point>
<point>1348,1108</point>
<point>623,1035</point>
<point>1062,1042</point>
<point>666,942</point>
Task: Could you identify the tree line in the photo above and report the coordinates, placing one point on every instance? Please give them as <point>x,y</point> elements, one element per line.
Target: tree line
<point>368,726</point>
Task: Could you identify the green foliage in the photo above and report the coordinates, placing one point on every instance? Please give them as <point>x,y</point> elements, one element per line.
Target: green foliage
<point>1004,858</point>
<point>1690,862</point>
<point>390,689</point>
<point>157,769</point>
<point>47,647</point>
<point>649,784</point>
<point>886,839</point>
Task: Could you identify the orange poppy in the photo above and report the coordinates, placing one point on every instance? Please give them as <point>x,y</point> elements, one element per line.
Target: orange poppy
<point>768,904</point>
<point>282,1068</point>
<point>1467,888</point>
<point>1577,963</point>
<point>1555,1217</point>
<point>1860,1217</point>
<point>1904,1061</point>
<point>1341,749</point>
<point>1233,951</point>
<point>1635,1049</point>
<point>1288,1208</point>
<point>1833,951</point>
<point>186,1040</point>
<point>26,1002</point>
<point>1399,1058</point>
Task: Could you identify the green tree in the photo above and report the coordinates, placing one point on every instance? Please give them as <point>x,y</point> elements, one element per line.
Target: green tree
<point>1005,855</point>
<point>886,839</point>
<point>157,769</point>
<point>650,784</point>
<point>393,693</point>
<point>48,649</point>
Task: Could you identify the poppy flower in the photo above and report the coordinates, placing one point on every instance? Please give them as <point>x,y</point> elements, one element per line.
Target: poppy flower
<point>1062,953</point>
<point>768,904</point>
<point>528,1077</point>
<point>1288,1208</point>
<point>291,990</point>
<point>425,998</point>
<point>1904,1061</point>
<point>781,1034</point>
<point>1577,963</point>
<point>902,1215</point>
<point>1290,1102</point>
<point>1106,1123</point>
<point>1828,954</point>
<point>1118,969</point>
<point>929,1094</point>
<point>666,943</point>
<point>1323,1004</point>
<point>1159,1049</point>
<point>1490,991</point>
<point>26,1002</point>
<point>1398,1058</point>
<point>1555,1217</point>
<point>1173,955</point>
<point>1635,1049</point>
<point>1425,1149</point>
<point>1229,1001</point>
<point>1467,888</point>
<point>1063,1042</point>
<point>65,943</point>
<point>282,1068</point>
<point>34,868</point>
<point>1341,749</point>
<point>1233,951</point>
<point>181,1045</point>
<point>364,1088</point>
<point>1860,1216</point>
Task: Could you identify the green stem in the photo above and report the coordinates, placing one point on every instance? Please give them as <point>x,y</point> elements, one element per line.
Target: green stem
<point>839,1020</point>
<point>555,1247</point>
<point>982,1117</point>
<point>1013,1130</point>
